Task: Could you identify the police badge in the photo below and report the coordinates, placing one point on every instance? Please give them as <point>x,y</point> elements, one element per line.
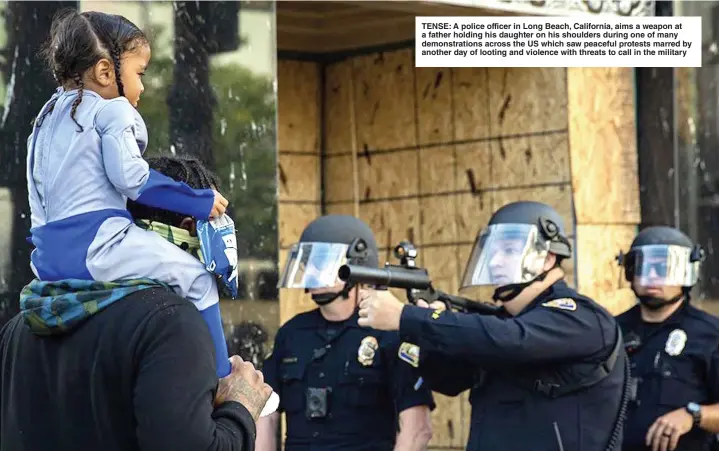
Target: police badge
<point>675,342</point>
<point>366,350</point>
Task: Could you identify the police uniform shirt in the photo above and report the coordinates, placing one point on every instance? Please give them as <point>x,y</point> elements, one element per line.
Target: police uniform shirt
<point>367,383</point>
<point>673,363</point>
<point>560,332</point>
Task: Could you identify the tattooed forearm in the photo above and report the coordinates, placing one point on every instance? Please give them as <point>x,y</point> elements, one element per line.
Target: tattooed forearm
<point>254,398</point>
<point>244,385</point>
<point>239,390</point>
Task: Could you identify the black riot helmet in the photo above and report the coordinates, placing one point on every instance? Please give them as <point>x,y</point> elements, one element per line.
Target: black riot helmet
<point>509,254</point>
<point>661,256</point>
<point>325,245</point>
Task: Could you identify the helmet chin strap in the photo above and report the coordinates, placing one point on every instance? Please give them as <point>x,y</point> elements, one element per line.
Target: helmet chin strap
<point>506,293</point>
<point>326,298</point>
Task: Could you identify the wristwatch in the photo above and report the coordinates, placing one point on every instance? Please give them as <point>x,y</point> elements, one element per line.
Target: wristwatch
<point>695,411</point>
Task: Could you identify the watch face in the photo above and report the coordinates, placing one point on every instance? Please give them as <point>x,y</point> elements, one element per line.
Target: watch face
<point>693,407</point>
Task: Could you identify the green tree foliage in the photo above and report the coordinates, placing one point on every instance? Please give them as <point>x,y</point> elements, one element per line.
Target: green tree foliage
<point>243,146</point>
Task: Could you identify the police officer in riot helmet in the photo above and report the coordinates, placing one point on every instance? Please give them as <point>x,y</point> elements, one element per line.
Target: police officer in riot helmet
<point>548,371</point>
<point>673,347</point>
<point>341,386</point>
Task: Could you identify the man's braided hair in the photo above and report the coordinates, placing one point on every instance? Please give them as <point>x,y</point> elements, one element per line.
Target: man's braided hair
<point>79,40</point>
<point>181,169</point>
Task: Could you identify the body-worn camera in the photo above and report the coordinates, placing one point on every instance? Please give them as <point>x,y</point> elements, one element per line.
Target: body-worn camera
<point>317,402</point>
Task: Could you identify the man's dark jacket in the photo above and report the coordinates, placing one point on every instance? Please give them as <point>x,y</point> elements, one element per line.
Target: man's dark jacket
<point>138,375</point>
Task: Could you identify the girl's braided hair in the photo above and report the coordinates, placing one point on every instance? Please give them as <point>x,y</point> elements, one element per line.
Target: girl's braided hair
<point>79,40</point>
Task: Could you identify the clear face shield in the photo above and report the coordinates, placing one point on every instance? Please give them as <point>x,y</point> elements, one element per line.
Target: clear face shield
<point>313,265</point>
<point>664,265</point>
<point>505,254</point>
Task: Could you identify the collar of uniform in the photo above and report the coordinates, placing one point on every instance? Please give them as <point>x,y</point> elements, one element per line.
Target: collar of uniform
<point>558,289</point>
<point>349,322</point>
<point>321,324</point>
<point>314,320</point>
<point>674,318</point>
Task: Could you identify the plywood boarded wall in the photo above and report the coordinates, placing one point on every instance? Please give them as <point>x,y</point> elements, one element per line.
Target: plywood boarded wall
<point>299,179</point>
<point>605,178</point>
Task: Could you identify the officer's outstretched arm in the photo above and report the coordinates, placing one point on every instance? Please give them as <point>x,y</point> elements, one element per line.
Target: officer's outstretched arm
<point>550,332</point>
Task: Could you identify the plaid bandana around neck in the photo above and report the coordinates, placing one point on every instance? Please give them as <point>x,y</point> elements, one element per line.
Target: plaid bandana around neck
<point>53,308</point>
<point>175,235</point>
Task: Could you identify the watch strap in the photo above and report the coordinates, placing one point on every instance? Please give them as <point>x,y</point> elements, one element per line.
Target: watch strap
<point>696,413</point>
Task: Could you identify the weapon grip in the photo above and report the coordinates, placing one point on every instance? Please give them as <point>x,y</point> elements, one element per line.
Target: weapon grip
<point>413,295</point>
<point>467,306</point>
<point>429,296</point>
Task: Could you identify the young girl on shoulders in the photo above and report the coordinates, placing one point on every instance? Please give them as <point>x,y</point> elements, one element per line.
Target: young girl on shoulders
<point>85,161</point>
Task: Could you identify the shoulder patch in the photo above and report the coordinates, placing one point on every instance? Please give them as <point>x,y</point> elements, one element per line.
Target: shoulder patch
<point>409,352</point>
<point>562,304</point>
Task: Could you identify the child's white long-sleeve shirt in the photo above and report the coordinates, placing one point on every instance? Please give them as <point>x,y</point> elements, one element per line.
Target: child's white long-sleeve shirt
<point>79,182</point>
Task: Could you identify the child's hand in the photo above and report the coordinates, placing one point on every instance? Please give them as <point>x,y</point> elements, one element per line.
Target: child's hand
<point>218,209</point>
